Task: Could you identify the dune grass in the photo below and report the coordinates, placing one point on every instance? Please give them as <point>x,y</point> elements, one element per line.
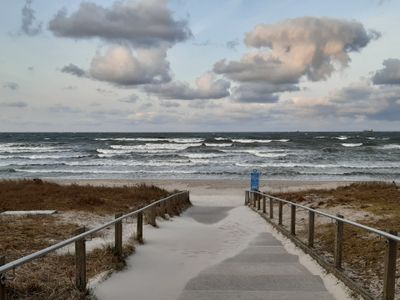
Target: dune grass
<point>52,277</point>
<point>363,253</point>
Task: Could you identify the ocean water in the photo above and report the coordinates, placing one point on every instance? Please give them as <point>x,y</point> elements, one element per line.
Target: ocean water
<point>295,155</point>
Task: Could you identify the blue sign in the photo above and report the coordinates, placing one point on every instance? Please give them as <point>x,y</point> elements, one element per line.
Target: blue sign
<point>255,180</point>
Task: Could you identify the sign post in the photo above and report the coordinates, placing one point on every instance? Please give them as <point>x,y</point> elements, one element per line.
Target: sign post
<point>255,180</point>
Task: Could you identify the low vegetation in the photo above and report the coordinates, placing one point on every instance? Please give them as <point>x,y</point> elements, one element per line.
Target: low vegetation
<point>375,204</point>
<point>53,276</point>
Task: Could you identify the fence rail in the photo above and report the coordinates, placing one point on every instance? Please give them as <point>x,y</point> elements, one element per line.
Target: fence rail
<point>253,199</point>
<point>172,205</point>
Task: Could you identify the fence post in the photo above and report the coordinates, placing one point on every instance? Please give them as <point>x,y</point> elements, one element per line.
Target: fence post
<point>3,294</point>
<point>293,219</point>
<point>139,227</point>
<point>311,227</point>
<point>389,279</point>
<point>258,201</point>
<point>118,237</point>
<point>80,262</point>
<point>280,212</point>
<point>271,208</point>
<point>245,197</point>
<point>264,206</point>
<point>338,255</point>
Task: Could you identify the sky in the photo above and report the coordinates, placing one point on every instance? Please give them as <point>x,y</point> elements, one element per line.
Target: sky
<point>189,65</point>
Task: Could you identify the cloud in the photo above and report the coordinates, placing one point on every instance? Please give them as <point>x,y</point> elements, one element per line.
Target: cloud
<point>60,108</point>
<point>11,85</point>
<point>232,44</point>
<point>207,87</point>
<point>148,23</point>
<point>284,53</point>
<point>15,104</point>
<point>305,46</point>
<point>31,68</point>
<point>119,65</point>
<point>261,92</point>
<point>390,74</point>
<point>105,92</point>
<point>130,99</point>
<point>169,104</point>
<point>74,70</point>
<point>29,24</point>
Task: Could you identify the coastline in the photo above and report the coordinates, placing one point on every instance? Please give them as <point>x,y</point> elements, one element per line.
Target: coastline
<point>210,184</point>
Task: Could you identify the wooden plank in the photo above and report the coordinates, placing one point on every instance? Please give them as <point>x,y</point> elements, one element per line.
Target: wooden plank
<point>264,206</point>
<point>80,262</point>
<point>118,237</point>
<point>338,253</point>
<point>293,219</point>
<point>3,293</point>
<point>389,279</point>
<point>139,228</point>
<point>271,208</point>
<point>280,213</point>
<point>311,228</point>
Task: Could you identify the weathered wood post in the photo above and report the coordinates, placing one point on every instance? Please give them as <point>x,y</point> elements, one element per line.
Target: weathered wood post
<point>258,201</point>
<point>170,208</point>
<point>338,254</point>
<point>80,262</point>
<point>280,213</point>
<point>3,293</point>
<point>389,279</point>
<point>264,206</point>
<point>293,219</point>
<point>246,197</point>
<point>311,228</point>
<point>118,236</point>
<point>271,208</point>
<point>139,227</point>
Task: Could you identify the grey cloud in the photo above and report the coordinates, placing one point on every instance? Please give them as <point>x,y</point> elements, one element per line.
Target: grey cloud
<point>59,108</point>
<point>232,44</point>
<point>74,70</point>
<point>299,47</point>
<point>169,104</point>
<point>119,65</point>
<point>130,99</point>
<point>207,87</point>
<point>365,99</point>
<point>70,87</point>
<point>29,24</point>
<point>11,85</point>
<point>31,68</point>
<point>255,92</point>
<point>105,92</point>
<point>148,23</point>
<point>15,104</point>
<point>390,74</point>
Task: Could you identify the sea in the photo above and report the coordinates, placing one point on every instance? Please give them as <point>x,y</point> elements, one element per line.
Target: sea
<point>277,155</point>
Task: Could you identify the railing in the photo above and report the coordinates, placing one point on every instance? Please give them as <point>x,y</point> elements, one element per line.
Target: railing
<point>253,199</point>
<point>172,205</point>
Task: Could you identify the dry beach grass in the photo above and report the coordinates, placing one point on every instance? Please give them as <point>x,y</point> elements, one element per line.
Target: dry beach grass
<point>52,277</point>
<point>375,204</point>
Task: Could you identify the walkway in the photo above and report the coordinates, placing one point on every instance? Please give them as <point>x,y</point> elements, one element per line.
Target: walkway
<point>264,270</point>
<point>217,249</point>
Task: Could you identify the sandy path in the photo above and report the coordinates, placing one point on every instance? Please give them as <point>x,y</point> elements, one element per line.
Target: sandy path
<point>216,228</point>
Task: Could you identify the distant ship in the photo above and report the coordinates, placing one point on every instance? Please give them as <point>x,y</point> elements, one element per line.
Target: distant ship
<point>368,130</point>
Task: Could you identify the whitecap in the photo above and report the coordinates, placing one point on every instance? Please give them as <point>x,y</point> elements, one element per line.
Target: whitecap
<point>352,144</point>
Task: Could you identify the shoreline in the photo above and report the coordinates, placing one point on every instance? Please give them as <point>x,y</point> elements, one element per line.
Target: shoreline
<point>209,184</point>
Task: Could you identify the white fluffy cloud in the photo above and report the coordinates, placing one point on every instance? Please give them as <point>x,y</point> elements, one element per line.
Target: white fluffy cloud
<point>207,87</point>
<point>119,65</point>
<point>285,52</point>
<point>146,23</point>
